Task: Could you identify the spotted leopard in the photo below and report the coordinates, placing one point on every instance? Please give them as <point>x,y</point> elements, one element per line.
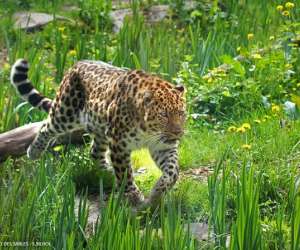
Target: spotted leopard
<point>122,109</point>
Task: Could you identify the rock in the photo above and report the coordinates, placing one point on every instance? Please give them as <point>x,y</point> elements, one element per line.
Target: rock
<point>157,13</point>
<point>94,208</point>
<point>32,21</point>
<point>190,5</point>
<point>118,17</point>
<point>199,231</point>
<point>152,15</point>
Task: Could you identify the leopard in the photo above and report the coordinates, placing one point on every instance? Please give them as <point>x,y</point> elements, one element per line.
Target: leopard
<point>122,109</point>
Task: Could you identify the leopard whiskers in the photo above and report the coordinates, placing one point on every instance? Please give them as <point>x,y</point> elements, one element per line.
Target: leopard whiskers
<point>152,139</point>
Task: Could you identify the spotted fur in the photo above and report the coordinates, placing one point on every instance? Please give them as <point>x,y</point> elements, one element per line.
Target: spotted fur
<point>123,109</point>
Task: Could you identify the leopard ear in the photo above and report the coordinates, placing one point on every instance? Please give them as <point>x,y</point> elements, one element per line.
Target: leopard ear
<point>147,97</point>
<point>180,88</point>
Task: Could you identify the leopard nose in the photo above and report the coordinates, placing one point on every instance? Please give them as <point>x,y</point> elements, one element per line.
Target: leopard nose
<point>176,131</point>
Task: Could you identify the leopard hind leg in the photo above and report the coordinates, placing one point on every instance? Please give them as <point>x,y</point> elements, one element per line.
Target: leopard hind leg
<point>63,116</point>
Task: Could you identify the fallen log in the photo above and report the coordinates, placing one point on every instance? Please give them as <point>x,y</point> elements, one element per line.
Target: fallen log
<point>14,143</point>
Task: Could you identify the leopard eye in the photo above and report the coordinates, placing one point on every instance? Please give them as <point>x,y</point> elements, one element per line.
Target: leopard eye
<point>182,114</point>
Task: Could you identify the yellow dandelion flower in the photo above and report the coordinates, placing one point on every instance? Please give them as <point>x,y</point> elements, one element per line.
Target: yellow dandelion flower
<point>288,65</point>
<point>246,125</point>
<point>58,148</point>
<point>275,108</point>
<point>256,56</point>
<point>210,80</point>
<point>226,93</point>
<point>6,67</point>
<point>246,146</point>
<point>279,8</point>
<point>250,36</point>
<point>50,79</point>
<point>241,130</point>
<point>289,5</point>
<point>72,52</point>
<point>286,13</point>
<point>257,121</point>
<point>61,29</point>
<point>232,129</point>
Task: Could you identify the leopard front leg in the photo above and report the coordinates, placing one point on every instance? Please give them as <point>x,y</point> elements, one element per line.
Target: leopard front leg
<point>167,161</point>
<point>41,141</point>
<point>120,158</point>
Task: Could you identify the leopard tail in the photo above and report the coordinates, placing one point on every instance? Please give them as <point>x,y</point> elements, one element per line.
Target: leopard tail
<point>19,79</point>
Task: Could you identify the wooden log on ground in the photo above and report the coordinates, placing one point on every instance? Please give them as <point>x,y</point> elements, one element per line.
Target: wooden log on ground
<point>15,142</point>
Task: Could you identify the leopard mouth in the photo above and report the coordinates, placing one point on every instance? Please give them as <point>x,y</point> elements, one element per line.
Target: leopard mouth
<point>168,139</point>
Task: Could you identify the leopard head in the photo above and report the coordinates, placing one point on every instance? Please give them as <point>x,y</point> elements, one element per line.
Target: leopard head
<point>165,114</point>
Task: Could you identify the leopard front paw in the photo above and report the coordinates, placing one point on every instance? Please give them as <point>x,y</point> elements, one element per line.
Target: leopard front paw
<point>33,153</point>
<point>135,198</point>
<point>149,204</point>
<point>144,205</point>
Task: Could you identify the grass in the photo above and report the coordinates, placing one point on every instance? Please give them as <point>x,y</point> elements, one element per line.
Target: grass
<point>251,200</point>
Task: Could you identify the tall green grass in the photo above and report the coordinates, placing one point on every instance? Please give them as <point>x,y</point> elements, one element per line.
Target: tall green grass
<point>246,231</point>
<point>217,196</point>
<point>235,210</point>
<point>38,205</point>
